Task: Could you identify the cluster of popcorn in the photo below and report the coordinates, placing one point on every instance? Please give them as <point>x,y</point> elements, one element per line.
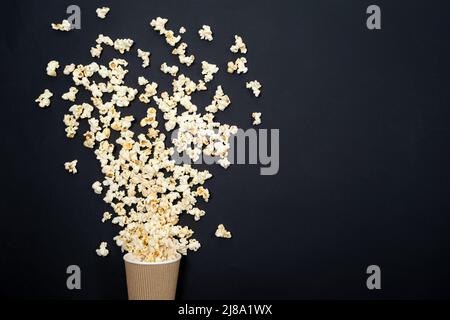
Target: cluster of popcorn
<point>145,188</point>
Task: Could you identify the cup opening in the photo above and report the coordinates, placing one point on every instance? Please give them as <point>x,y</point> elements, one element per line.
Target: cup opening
<point>130,258</point>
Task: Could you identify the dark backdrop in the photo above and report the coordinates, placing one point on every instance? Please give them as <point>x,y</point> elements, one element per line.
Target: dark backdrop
<point>365,163</point>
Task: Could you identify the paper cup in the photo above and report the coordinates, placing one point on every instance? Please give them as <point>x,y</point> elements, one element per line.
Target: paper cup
<point>151,280</point>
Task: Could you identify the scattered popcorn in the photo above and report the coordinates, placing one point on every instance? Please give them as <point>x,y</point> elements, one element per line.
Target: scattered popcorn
<point>256,118</point>
<point>97,187</point>
<point>71,94</point>
<point>71,166</point>
<point>142,81</point>
<point>205,33</point>
<point>208,70</point>
<point>102,251</point>
<point>106,216</point>
<point>255,86</point>
<point>44,99</point>
<point>146,189</point>
<point>63,26</point>
<point>239,45</point>
<point>238,66</point>
<point>102,12</point>
<point>221,232</point>
<point>145,56</point>
<point>123,45</point>
<point>51,68</point>
<point>173,70</point>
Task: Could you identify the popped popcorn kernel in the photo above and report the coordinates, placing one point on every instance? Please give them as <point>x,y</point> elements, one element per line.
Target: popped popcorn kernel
<point>44,99</point>
<point>102,12</point>
<point>182,30</point>
<point>70,95</point>
<point>97,187</point>
<point>256,118</point>
<point>255,86</point>
<point>145,56</point>
<point>52,66</point>
<point>239,45</point>
<point>71,166</point>
<point>102,251</point>
<point>205,33</point>
<point>172,70</point>
<point>221,232</point>
<point>106,216</point>
<point>238,66</point>
<point>63,26</point>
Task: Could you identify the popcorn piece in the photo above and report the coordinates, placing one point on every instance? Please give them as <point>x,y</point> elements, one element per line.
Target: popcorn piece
<point>44,98</point>
<point>256,118</point>
<point>69,69</point>
<point>97,187</point>
<point>238,66</point>
<point>208,70</point>
<point>71,166</point>
<point>102,12</point>
<point>171,39</point>
<point>145,56</point>
<point>102,251</point>
<point>106,216</point>
<point>181,52</point>
<point>63,26</point>
<point>182,30</point>
<point>101,39</point>
<point>205,33</point>
<point>71,94</point>
<point>255,86</point>
<point>142,81</point>
<point>220,101</point>
<point>51,68</point>
<point>96,51</point>
<point>159,24</point>
<point>172,70</point>
<point>221,232</point>
<point>123,45</point>
<point>239,45</point>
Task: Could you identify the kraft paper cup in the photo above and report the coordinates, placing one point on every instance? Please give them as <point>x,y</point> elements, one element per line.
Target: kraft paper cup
<point>151,280</point>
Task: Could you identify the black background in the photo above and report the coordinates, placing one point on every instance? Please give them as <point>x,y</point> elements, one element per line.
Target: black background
<point>364,152</point>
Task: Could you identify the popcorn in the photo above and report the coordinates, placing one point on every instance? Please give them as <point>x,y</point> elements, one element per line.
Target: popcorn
<point>145,56</point>
<point>159,24</point>
<point>102,251</point>
<point>142,81</point>
<point>221,232</point>
<point>71,166</point>
<point>96,51</point>
<point>97,187</point>
<point>51,68</point>
<point>171,39</point>
<point>256,118</point>
<point>255,86</point>
<point>44,98</point>
<point>146,189</point>
<point>172,70</point>
<point>208,70</point>
<point>106,216</point>
<point>123,45</point>
<point>69,69</point>
<point>101,39</point>
<point>63,26</point>
<point>71,94</point>
<point>238,66</point>
<point>239,45</point>
<point>205,33</point>
<point>102,12</point>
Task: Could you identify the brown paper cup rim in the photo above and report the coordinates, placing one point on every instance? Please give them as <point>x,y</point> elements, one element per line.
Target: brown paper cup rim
<point>130,258</point>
